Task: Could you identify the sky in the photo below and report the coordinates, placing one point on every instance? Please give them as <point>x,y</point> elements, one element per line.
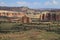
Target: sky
<point>31,3</point>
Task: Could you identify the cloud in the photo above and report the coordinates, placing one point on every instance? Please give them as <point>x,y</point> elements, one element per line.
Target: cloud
<point>28,3</point>
<point>2,4</point>
<point>53,2</point>
<point>22,3</point>
<point>36,3</point>
<point>47,3</point>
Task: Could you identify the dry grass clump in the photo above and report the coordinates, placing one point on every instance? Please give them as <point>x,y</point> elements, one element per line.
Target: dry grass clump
<point>30,35</point>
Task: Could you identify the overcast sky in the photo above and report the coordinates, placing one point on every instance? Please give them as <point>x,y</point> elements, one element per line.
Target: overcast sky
<point>31,3</point>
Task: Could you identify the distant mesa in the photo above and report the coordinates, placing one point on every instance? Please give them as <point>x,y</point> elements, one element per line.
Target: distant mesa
<point>24,9</point>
